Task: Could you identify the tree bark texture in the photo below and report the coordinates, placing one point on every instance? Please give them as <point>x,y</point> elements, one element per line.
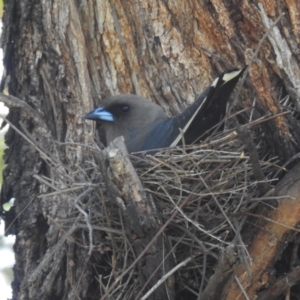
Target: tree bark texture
<point>62,57</point>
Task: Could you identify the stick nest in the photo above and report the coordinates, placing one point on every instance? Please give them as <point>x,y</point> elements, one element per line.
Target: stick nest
<point>222,189</point>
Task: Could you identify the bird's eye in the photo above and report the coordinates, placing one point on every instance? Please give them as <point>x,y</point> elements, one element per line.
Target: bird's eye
<point>125,108</point>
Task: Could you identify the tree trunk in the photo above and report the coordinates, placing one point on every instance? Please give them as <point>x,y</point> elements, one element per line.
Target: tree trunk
<point>61,58</point>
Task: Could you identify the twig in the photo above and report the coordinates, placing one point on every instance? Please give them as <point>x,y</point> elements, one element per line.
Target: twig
<point>86,218</point>
<point>254,57</point>
<point>166,276</point>
<point>241,287</point>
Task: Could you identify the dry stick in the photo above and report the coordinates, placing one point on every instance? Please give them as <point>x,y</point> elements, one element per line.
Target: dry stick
<point>86,218</point>
<point>242,251</point>
<point>15,102</point>
<point>203,276</point>
<point>58,192</point>
<point>46,157</point>
<point>166,277</point>
<point>244,135</point>
<point>125,285</point>
<point>114,245</point>
<point>272,221</point>
<point>241,287</point>
<point>17,216</point>
<point>265,119</point>
<point>45,182</point>
<point>43,154</point>
<point>248,125</point>
<point>158,267</point>
<point>218,204</point>
<point>255,55</point>
<point>217,56</point>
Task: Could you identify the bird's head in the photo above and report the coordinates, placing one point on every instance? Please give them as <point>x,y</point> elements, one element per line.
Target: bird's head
<point>126,115</point>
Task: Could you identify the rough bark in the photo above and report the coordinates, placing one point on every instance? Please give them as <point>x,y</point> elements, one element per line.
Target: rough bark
<point>62,57</point>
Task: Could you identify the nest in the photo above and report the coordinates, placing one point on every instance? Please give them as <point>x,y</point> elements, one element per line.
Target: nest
<point>208,191</point>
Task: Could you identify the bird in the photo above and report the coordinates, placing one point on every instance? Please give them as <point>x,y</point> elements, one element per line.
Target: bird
<point>145,126</point>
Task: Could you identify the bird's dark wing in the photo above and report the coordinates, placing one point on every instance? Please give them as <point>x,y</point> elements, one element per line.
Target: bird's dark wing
<point>208,109</point>
<point>158,135</point>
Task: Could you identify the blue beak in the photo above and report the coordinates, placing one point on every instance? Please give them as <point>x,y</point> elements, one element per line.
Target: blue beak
<point>100,114</point>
